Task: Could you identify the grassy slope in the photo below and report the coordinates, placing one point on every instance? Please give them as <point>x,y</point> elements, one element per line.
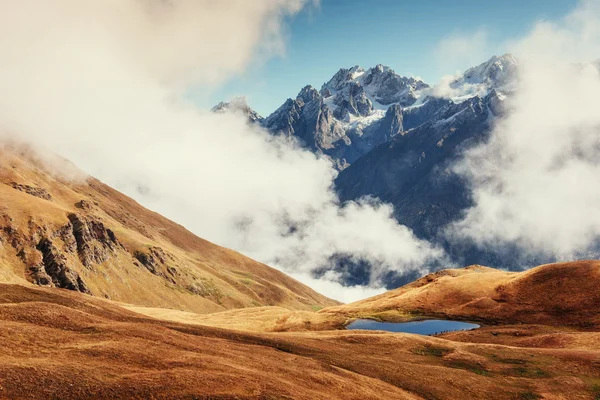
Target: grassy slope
<point>541,336</point>
<point>63,344</point>
<point>207,277</point>
<point>562,294</point>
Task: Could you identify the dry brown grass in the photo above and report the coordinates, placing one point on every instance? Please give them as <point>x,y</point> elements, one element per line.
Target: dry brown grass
<point>563,294</point>
<point>541,335</point>
<point>208,278</point>
<point>256,319</point>
<point>61,344</point>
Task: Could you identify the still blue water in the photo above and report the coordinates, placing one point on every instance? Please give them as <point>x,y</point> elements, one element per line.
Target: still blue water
<point>426,327</point>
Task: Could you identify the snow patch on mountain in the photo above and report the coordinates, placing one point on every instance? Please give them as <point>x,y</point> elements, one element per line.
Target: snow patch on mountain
<point>359,109</point>
<point>498,73</point>
<point>238,105</point>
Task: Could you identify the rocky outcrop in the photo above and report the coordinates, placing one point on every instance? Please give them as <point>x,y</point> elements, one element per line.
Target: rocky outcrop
<point>387,87</point>
<point>94,241</point>
<point>54,268</point>
<point>238,105</point>
<point>84,205</point>
<point>393,122</point>
<point>32,190</point>
<point>157,261</point>
<point>205,288</point>
<point>50,254</point>
<point>310,121</point>
<point>353,100</point>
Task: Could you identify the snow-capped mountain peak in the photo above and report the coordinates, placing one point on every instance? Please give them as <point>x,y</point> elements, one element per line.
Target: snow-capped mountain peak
<point>359,109</point>
<point>496,72</point>
<point>308,93</point>
<point>381,84</point>
<point>237,105</point>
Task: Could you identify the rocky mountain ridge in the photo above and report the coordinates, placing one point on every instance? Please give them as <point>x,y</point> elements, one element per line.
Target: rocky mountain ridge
<point>358,110</point>
<point>396,138</point>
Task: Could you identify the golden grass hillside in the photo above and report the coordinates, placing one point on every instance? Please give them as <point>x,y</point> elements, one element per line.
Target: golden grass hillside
<point>60,344</point>
<point>82,235</point>
<point>563,294</point>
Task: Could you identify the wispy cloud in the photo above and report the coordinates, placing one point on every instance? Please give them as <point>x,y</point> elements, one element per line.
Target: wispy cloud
<point>460,50</point>
<point>535,181</point>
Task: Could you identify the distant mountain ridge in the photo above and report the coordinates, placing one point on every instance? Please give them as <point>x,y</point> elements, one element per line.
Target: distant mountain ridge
<point>358,110</point>
<point>396,138</point>
<point>355,111</point>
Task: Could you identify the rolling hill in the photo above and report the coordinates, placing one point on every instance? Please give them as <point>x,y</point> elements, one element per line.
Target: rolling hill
<point>561,294</point>
<point>64,344</point>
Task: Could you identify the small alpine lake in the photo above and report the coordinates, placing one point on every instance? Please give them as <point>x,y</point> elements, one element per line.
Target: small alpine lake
<point>424,327</point>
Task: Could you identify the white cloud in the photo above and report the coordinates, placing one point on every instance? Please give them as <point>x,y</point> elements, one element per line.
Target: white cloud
<point>103,84</point>
<point>458,51</point>
<point>536,182</point>
<point>345,294</point>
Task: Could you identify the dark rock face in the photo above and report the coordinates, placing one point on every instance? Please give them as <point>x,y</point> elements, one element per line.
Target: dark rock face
<point>353,101</point>
<point>428,111</point>
<point>340,120</point>
<point>388,87</point>
<point>33,191</point>
<point>54,267</point>
<point>393,122</point>
<point>364,139</point>
<point>94,241</point>
<point>412,172</point>
<point>311,122</point>
<point>52,256</point>
<point>156,261</point>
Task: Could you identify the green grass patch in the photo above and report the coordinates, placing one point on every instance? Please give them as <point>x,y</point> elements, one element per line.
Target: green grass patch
<point>596,392</point>
<point>432,351</point>
<point>388,316</point>
<point>527,396</point>
<point>499,359</point>
<point>475,368</point>
<point>527,372</point>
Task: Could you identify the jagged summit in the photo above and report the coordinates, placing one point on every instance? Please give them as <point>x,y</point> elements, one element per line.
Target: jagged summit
<point>359,109</point>
<point>308,93</point>
<point>238,105</point>
<point>380,85</point>
<point>497,72</point>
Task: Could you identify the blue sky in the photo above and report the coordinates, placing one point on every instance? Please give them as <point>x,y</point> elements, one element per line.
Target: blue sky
<point>403,34</point>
